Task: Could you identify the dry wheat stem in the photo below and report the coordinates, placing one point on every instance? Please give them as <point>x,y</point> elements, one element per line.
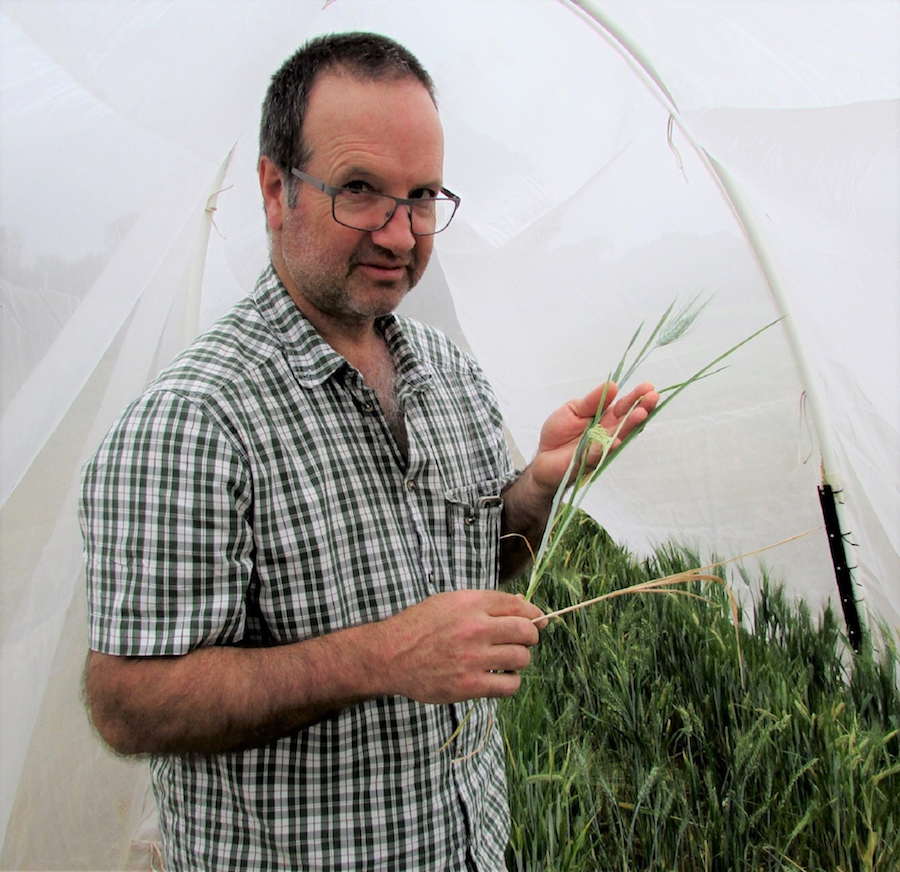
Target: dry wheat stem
<point>677,578</point>
<point>655,586</point>
<point>480,748</point>
<point>460,727</point>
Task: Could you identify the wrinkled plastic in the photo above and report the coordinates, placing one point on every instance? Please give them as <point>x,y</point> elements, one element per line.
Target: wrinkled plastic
<point>607,166</point>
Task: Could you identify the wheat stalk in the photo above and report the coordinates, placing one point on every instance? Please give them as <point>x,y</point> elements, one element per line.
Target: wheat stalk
<point>671,327</point>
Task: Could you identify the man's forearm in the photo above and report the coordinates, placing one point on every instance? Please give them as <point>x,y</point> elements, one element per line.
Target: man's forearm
<point>220,699</point>
<point>526,509</point>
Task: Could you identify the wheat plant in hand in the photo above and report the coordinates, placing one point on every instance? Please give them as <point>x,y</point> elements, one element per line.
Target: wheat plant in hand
<point>674,324</point>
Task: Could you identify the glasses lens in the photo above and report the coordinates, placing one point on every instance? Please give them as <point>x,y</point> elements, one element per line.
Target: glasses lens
<point>364,210</point>
<point>432,215</point>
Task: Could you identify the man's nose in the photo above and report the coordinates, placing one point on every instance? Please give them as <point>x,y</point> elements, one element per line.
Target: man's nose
<point>396,235</point>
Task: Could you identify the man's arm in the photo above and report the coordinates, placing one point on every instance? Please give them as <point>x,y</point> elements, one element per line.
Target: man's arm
<point>526,503</point>
<point>452,647</point>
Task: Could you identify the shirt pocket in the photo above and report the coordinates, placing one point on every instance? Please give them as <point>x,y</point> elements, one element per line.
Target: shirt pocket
<point>473,515</point>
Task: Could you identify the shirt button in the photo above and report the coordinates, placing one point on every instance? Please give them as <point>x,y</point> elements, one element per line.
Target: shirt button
<point>411,485</point>
<point>368,407</point>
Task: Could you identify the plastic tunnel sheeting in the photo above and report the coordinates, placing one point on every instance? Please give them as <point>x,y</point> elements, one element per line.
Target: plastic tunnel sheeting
<point>611,157</point>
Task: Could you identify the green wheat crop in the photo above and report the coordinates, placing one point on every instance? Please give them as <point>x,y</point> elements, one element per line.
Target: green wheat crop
<point>634,743</point>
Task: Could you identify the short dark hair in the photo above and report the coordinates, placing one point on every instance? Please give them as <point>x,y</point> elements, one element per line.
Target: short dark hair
<point>368,56</point>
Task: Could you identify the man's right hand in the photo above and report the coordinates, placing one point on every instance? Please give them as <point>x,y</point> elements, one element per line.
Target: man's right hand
<point>460,645</point>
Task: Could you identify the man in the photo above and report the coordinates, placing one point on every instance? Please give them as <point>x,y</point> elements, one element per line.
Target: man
<point>293,539</point>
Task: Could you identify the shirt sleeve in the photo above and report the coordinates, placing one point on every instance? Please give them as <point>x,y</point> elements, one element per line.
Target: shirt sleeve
<point>165,515</point>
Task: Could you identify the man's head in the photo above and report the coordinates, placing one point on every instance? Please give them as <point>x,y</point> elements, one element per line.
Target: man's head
<point>353,112</point>
<point>365,56</point>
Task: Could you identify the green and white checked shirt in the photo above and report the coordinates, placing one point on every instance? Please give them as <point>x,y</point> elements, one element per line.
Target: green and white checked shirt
<point>254,495</point>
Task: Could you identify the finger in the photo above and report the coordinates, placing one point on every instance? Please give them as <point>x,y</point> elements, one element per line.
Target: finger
<point>586,406</point>
<point>538,620</point>
<point>508,630</point>
<point>625,426</point>
<point>638,397</point>
<point>510,658</point>
<point>649,400</point>
<point>511,605</point>
<point>500,684</point>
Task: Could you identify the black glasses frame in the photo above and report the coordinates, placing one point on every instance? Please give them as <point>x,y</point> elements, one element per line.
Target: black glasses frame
<point>333,191</point>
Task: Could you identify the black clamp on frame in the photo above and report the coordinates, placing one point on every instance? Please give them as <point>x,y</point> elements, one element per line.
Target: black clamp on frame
<point>836,539</point>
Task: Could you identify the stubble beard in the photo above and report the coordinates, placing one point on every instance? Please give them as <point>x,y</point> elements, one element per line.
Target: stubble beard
<point>339,295</point>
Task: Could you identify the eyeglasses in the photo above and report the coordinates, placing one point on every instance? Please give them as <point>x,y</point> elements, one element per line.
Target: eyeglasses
<point>370,211</point>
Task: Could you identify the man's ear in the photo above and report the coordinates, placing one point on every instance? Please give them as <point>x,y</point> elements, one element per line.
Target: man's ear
<point>274,193</point>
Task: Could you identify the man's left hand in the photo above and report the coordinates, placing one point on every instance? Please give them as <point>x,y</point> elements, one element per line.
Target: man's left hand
<point>527,501</point>
<point>563,429</point>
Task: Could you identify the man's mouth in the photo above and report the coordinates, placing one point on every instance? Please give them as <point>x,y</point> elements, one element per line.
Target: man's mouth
<point>383,270</point>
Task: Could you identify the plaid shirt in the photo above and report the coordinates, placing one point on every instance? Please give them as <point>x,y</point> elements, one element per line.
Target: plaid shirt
<point>254,495</point>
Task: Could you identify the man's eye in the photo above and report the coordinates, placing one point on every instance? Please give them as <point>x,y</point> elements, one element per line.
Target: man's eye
<point>359,186</point>
<point>423,193</point>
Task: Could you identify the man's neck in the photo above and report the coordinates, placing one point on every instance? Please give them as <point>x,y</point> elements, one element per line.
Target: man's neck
<point>354,338</point>
<point>363,346</point>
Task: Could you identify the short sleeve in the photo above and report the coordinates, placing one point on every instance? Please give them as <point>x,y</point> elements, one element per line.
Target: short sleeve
<point>165,515</point>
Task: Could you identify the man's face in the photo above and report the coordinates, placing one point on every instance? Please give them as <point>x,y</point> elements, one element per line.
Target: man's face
<point>386,135</point>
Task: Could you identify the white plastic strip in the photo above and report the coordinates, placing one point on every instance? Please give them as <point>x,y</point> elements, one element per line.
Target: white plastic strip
<point>642,65</point>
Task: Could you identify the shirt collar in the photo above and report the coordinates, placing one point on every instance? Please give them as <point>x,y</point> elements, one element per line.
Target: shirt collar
<point>311,358</point>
